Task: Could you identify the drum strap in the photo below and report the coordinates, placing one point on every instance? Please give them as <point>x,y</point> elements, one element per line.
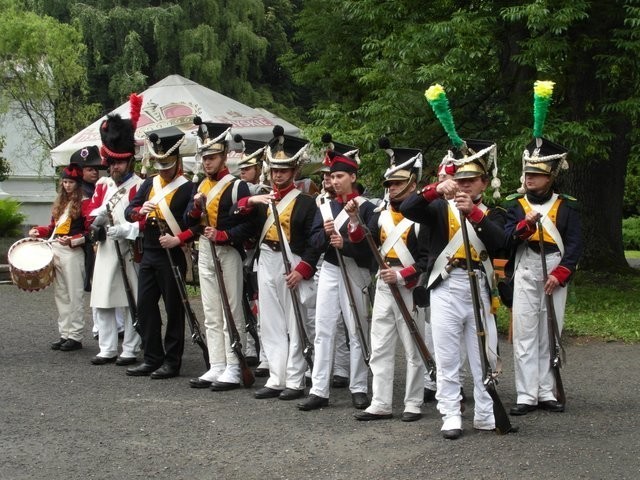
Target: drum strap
<point>63,218</point>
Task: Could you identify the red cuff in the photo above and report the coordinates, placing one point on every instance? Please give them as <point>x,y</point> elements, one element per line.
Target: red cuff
<point>524,230</point>
<point>562,274</point>
<point>77,240</point>
<point>185,236</point>
<point>356,233</point>
<point>135,215</point>
<point>43,231</point>
<point>195,212</point>
<point>304,269</point>
<point>221,237</point>
<point>243,206</point>
<point>410,275</point>
<point>429,192</point>
<point>476,215</point>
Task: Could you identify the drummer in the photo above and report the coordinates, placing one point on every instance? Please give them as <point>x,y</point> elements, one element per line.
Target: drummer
<point>68,232</point>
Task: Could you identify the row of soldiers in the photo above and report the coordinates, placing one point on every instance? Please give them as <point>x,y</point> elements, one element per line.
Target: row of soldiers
<point>313,258</point>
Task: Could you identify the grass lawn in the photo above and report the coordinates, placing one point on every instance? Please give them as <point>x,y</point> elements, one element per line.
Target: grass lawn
<point>602,306</point>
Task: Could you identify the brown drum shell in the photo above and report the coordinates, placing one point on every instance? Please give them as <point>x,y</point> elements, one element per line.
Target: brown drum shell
<point>31,280</point>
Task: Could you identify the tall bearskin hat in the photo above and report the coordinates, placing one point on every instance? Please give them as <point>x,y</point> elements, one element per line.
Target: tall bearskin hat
<point>470,157</point>
<point>117,133</point>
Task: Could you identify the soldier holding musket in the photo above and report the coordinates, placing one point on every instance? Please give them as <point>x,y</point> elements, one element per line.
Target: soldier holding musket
<point>160,203</point>
<point>285,234</point>
<point>403,249</point>
<point>212,201</point>
<point>112,195</point>
<point>441,207</point>
<point>330,235</point>
<point>542,226</point>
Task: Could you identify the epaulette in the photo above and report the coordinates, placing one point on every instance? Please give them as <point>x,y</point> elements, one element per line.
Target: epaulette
<point>512,199</point>
<point>571,202</point>
<point>513,196</point>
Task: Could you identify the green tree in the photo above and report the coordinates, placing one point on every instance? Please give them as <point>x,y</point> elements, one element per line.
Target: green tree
<point>5,167</point>
<point>42,72</point>
<point>488,55</point>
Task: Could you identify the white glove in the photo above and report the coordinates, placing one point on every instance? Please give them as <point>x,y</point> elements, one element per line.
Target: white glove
<point>101,220</point>
<point>118,232</point>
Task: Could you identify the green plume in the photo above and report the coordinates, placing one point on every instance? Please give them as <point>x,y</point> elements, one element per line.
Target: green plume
<point>542,93</point>
<point>440,105</point>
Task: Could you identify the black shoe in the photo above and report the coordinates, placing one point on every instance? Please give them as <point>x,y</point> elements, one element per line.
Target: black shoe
<point>522,409</point>
<point>121,361</point>
<point>313,402</point>
<point>165,371</point>
<point>102,360</point>
<point>367,417</point>
<point>410,416</point>
<point>70,345</point>
<point>58,344</point>
<point>199,383</point>
<point>360,400</point>
<point>223,386</point>
<point>340,382</point>
<point>291,394</point>
<point>551,406</point>
<point>429,395</point>
<point>142,370</point>
<point>266,392</point>
<point>261,372</point>
<point>252,360</point>
<point>452,434</point>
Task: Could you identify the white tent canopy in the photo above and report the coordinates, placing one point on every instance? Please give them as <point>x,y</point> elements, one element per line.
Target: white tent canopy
<point>174,101</point>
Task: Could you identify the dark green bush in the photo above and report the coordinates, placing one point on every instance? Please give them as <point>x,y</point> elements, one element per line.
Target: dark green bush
<point>10,218</point>
<point>631,233</point>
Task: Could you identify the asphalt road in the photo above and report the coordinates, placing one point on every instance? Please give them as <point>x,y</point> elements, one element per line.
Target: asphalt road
<point>63,418</point>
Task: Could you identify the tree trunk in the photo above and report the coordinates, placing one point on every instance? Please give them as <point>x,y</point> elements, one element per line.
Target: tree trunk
<point>599,187</point>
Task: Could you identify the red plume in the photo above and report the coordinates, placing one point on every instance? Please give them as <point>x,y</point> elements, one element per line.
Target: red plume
<point>135,105</point>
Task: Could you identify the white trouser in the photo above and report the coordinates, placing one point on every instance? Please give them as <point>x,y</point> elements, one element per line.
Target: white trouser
<point>452,321</point>
<point>121,313</point>
<point>218,341</point>
<point>387,325</point>
<point>341,355</point>
<point>332,301</point>
<point>532,364</point>
<point>279,329</point>
<point>68,286</point>
<point>106,320</point>
<point>425,313</point>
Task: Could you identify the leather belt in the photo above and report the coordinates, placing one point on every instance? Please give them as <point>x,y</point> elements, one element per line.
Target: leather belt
<point>272,244</point>
<point>548,247</point>
<point>462,264</point>
<point>393,262</point>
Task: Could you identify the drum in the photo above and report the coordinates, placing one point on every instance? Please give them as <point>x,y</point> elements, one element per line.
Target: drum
<point>31,264</point>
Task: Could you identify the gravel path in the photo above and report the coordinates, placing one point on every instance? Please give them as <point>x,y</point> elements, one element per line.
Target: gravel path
<point>63,418</point>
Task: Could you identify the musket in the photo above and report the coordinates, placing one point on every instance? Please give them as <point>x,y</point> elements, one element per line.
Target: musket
<point>503,425</point>
<point>352,305</point>
<point>131,299</point>
<point>194,325</point>
<point>412,326</point>
<point>556,350</point>
<point>251,322</point>
<point>247,375</point>
<point>307,346</point>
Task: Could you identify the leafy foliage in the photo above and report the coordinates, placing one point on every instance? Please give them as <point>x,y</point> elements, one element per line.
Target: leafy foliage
<point>631,233</point>
<point>5,167</point>
<point>10,218</point>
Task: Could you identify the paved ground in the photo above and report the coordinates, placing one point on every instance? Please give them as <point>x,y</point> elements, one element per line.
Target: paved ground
<point>63,418</point>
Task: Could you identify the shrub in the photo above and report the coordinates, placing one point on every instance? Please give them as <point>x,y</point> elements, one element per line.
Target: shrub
<point>10,218</point>
<point>631,233</point>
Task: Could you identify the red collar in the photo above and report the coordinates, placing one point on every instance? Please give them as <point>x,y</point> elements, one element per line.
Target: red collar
<point>219,175</point>
<point>351,196</point>
<point>282,192</point>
